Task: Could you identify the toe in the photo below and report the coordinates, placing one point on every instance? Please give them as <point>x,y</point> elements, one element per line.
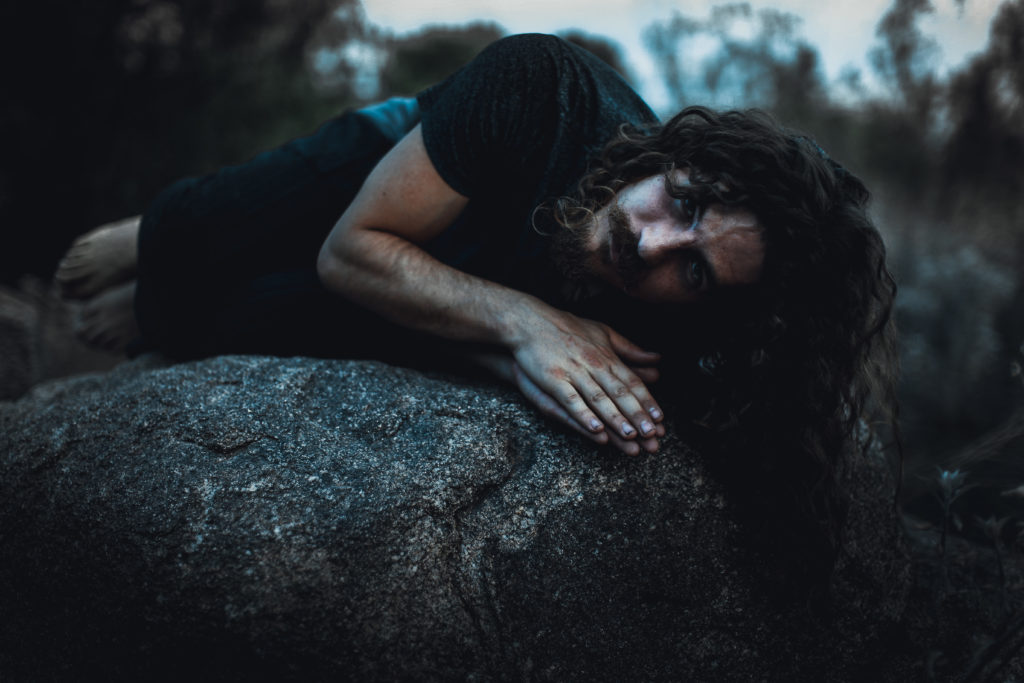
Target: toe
<point>76,283</point>
<point>68,272</point>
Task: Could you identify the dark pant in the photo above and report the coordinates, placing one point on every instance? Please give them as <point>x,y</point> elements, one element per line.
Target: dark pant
<point>227,262</point>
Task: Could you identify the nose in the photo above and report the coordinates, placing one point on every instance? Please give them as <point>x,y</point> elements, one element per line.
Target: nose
<point>659,241</point>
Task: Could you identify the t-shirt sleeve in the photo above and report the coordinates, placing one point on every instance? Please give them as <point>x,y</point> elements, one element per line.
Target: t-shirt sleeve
<point>490,122</point>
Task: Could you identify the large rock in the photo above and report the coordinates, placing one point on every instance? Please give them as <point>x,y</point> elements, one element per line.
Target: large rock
<point>258,518</point>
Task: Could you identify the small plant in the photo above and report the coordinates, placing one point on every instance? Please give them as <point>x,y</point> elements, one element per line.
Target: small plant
<point>993,529</point>
<point>1016,367</point>
<point>952,485</point>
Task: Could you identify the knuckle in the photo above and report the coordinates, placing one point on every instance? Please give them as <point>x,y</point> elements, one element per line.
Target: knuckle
<point>599,397</point>
<point>620,390</point>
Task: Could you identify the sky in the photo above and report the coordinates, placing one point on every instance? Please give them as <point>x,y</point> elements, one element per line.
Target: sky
<point>842,30</point>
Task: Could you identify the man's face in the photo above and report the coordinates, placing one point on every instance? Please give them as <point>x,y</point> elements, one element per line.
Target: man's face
<point>661,249</point>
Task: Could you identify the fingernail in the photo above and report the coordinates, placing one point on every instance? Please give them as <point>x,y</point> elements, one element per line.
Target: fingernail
<point>595,424</point>
<point>655,413</point>
<point>646,427</point>
<point>627,429</point>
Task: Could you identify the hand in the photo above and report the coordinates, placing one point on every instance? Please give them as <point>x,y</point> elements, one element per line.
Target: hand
<point>503,367</point>
<point>578,371</point>
<point>550,407</point>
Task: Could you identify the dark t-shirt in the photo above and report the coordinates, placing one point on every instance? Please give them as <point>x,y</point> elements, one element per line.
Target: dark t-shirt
<point>227,260</point>
<point>512,129</point>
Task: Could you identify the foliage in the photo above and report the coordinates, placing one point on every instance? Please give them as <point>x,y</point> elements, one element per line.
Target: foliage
<point>422,59</point>
<point>774,69</point>
<point>108,104</point>
<point>944,156</point>
<point>104,104</point>
<point>982,168</point>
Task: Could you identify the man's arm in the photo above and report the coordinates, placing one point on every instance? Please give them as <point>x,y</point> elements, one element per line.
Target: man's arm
<point>373,258</point>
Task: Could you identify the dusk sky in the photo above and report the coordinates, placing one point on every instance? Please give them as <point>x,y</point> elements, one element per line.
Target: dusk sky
<point>843,31</point>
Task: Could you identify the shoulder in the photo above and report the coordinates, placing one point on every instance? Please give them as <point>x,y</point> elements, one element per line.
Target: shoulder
<point>539,54</point>
<point>524,103</point>
<point>527,45</point>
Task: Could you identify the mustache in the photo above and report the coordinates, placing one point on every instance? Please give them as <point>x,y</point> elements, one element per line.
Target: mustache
<point>626,244</point>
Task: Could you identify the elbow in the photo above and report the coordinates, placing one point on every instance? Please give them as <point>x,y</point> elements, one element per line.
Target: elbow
<point>328,267</point>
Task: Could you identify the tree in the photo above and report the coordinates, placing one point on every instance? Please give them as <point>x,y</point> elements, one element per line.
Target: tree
<point>105,103</point>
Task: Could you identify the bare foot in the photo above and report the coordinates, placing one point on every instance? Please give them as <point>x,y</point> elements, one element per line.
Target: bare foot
<point>107,321</point>
<point>99,259</point>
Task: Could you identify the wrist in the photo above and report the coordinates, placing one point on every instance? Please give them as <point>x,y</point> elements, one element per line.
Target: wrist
<point>517,321</point>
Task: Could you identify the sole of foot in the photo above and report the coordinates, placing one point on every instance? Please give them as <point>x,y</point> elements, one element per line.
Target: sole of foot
<point>107,321</point>
<point>102,258</point>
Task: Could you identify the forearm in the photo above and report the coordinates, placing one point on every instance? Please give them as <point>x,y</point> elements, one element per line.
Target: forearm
<point>373,258</point>
<point>400,281</point>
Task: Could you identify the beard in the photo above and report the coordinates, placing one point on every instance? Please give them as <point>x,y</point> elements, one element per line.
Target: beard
<point>570,252</point>
<point>624,243</point>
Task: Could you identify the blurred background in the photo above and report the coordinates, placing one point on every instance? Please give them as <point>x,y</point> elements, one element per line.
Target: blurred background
<point>105,103</point>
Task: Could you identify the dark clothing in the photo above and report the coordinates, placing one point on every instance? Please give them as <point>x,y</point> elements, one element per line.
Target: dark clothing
<point>227,262</point>
<point>513,128</point>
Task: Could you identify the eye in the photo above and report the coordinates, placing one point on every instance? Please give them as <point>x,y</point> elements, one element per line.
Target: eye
<point>689,206</point>
<point>695,274</point>
<point>689,210</point>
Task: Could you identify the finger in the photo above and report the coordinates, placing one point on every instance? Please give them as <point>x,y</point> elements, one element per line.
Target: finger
<point>649,445</point>
<point>497,364</point>
<point>635,447</point>
<point>648,374</point>
<point>631,398</point>
<point>611,400</point>
<point>637,389</point>
<point>550,407</point>
<point>631,448</point>
<point>588,403</point>
<point>559,387</point>
<point>630,352</point>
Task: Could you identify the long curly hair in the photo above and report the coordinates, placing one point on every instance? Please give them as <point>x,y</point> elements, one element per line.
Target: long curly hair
<point>785,371</point>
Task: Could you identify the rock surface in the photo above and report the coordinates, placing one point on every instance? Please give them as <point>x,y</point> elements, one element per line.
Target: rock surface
<point>255,518</point>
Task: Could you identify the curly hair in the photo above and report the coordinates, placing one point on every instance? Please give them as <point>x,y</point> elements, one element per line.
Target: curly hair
<point>785,370</point>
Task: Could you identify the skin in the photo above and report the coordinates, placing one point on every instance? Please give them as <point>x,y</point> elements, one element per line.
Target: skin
<point>99,269</point>
<point>103,258</point>
<point>682,251</point>
<point>578,371</point>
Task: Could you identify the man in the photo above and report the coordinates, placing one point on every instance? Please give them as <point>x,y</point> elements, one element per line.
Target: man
<point>535,197</point>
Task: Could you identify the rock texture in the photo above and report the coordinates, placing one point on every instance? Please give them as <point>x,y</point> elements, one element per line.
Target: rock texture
<point>264,519</point>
